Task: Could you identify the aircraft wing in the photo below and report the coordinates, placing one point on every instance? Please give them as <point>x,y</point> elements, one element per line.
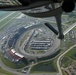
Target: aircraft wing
<point>16,5</point>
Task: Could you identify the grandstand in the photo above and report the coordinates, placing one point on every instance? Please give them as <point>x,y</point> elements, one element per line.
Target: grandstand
<point>9,43</point>
<point>15,57</point>
<point>12,41</point>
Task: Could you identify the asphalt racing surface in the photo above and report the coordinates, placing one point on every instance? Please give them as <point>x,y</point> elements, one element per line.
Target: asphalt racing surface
<point>53,49</point>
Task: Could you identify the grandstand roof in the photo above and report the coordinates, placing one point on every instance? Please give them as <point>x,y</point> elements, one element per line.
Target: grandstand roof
<point>19,55</point>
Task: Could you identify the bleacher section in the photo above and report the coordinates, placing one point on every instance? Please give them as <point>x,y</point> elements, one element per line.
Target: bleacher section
<point>12,41</point>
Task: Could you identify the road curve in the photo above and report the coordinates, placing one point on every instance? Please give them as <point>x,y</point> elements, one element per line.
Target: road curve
<point>58,61</point>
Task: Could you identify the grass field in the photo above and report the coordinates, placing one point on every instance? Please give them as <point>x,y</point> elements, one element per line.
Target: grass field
<point>66,62</point>
<point>11,64</point>
<point>3,72</point>
<point>69,58</point>
<point>48,67</point>
<point>72,53</point>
